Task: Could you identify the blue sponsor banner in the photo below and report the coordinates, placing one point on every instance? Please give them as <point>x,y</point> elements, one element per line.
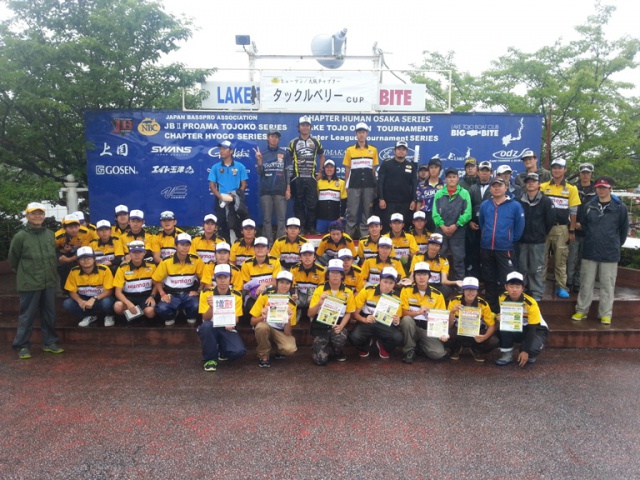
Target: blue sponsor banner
<point>160,160</point>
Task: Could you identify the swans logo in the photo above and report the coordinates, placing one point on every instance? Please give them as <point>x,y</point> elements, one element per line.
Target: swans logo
<point>179,192</point>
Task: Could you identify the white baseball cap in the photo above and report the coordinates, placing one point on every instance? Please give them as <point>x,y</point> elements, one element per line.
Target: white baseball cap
<point>261,241</point>
<point>421,267</point>
<point>436,238</point>
<point>223,246</point>
<point>304,119</point>
<point>362,126</point>
<point>419,214</point>
<point>389,272</point>
<point>503,169</point>
<point>121,209</point>
<point>293,222</point>
<point>335,265</point>
<point>345,253</point>
<point>374,219</point>
<point>222,269</point>
<point>137,246</point>
<point>397,217</point>
<point>211,217</point>
<point>470,283</point>
<point>183,238</point>
<point>559,161</point>
<point>385,241</point>
<point>69,219</point>
<point>167,215</point>
<point>103,224</point>
<point>284,275</point>
<point>85,252</point>
<point>139,214</point>
<point>248,223</point>
<point>307,247</point>
<point>515,277</point>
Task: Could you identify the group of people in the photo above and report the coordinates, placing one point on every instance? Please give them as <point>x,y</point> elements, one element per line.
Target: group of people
<point>407,220</point>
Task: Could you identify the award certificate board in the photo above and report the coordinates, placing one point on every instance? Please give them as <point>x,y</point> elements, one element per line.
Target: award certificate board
<point>511,314</point>
<point>438,323</point>
<point>224,311</point>
<point>386,308</point>
<point>331,310</point>
<point>469,321</point>
<point>278,311</point>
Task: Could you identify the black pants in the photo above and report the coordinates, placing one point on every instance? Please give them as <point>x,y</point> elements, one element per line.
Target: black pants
<point>306,196</point>
<point>530,341</point>
<point>496,265</point>
<point>472,256</point>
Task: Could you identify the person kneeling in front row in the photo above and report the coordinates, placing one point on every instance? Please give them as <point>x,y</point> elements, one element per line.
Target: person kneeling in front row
<point>220,342</point>
<point>534,328</point>
<point>278,331</point>
<point>328,339</point>
<point>417,300</point>
<point>90,288</point>
<point>389,336</point>
<point>485,341</point>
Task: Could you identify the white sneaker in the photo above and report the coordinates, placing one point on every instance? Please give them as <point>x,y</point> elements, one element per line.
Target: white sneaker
<point>168,323</point>
<point>109,321</point>
<point>86,321</point>
<point>191,321</point>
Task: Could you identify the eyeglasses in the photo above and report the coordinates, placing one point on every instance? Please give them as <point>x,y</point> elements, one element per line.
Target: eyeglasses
<point>37,213</point>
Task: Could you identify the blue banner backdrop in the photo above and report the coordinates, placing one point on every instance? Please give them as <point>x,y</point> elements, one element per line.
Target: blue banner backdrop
<point>160,160</point>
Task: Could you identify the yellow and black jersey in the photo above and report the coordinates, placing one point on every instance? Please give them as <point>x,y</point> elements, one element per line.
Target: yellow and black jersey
<point>412,300</point>
<point>135,280</point>
<point>531,310</point>
<point>331,248</point>
<point>437,267</point>
<point>87,232</point>
<point>213,292</point>
<point>263,301</point>
<point>263,273</point>
<point>89,285</point>
<point>332,199</point>
<point>205,248</point>
<point>403,245</point>
<point>486,315</point>
<point>344,293</point>
<point>353,279</point>
<point>62,239</point>
<point>142,236</point>
<point>422,240</point>
<point>179,276</point>
<point>362,163</point>
<point>286,251</point>
<point>564,197</point>
<point>116,231</point>
<point>305,280</point>
<point>369,297</point>
<point>372,268</point>
<point>236,277</point>
<point>241,251</point>
<point>165,243</point>
<point>368,248</point>
<point>109,251</point>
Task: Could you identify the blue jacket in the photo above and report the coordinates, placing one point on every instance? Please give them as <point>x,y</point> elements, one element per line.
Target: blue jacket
<point>606,229</point>
<point>500,225</point>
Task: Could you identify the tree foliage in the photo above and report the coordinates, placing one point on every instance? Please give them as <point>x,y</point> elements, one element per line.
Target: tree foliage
<point>59,58</point>
<point>591,117</point>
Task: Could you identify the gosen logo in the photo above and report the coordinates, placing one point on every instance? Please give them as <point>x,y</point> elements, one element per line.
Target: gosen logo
<point>149,127</point>
<point>179,192</point>
<point>116,170</point>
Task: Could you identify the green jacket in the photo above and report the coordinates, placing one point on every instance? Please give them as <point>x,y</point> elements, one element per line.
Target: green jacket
<point>450,209</point>
<point>32,256</point>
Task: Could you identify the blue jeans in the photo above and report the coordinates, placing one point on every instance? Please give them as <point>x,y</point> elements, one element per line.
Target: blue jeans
<point>168,311</point>
<point>100,306</point>
<point>219,340</point>
<point>30,303</point>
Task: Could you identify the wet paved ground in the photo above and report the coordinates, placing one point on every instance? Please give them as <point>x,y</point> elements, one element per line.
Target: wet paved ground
<point>154,413</point>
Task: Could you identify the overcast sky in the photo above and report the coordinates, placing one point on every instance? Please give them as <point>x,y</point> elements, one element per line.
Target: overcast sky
<point>478,31</point>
